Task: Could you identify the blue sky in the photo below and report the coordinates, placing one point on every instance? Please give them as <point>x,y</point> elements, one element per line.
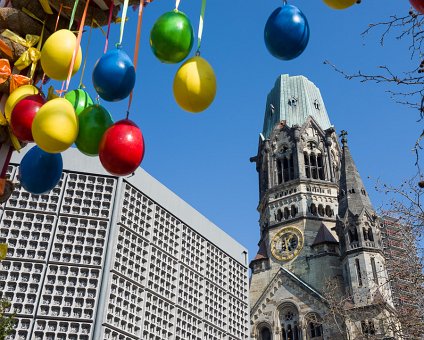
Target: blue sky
<point>204,158</point>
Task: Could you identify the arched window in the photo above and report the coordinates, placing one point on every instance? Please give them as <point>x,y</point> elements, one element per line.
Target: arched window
<point>328,211</point>
<point>314,327</point>
<point>286,213</point>
<point>320,167</point>
<point>353,235</point>
<point>264,333</point>
<point>279,172</point>
<point>289,318</point>
<point>279,215</point>
<point>365,232</point>
<point>293,211</point>
<point>370,235</point>
<point>313,209</point>
<point>320,210</point>
<point>307,165</point>
<point>314,165</point>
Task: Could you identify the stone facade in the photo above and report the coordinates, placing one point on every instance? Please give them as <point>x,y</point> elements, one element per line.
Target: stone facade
<point>317,225</point>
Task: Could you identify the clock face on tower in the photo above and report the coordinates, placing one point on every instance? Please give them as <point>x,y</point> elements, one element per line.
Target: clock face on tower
<point>287,244</point>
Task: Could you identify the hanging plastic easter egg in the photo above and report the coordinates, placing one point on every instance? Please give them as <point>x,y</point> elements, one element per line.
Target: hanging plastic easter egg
<point>418,5</point>
<point>340,4</point>
<point>39,171</point>
<point>286,32</point>
<point>23,115</point>
<point>57,52</point>
<point>55,127</point>
<point>93,122</point>
<point>195,85</point>
<point>171,38</point>
<point>121,149</point>
<point>16,96</point>
<point>114,75</point>
<point>79,99</point>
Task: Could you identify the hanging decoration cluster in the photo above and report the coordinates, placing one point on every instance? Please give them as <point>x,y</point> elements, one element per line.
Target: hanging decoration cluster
<point>51,50</point>
<point>171,40</point>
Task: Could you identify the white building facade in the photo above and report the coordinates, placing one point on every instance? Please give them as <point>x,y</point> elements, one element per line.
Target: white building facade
<point>102,257</point>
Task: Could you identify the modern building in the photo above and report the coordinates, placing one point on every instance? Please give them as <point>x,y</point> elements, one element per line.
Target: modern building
<point>101,257</point>
<point>319,233</point>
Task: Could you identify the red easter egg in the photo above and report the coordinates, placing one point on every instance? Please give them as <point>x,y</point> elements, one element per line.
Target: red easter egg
<point>121,148</point>
<point>23,114</point>
<point>418,5</point>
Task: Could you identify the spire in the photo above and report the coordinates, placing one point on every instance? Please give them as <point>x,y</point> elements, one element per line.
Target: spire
<point>352,194</point>
<point>293,100</point>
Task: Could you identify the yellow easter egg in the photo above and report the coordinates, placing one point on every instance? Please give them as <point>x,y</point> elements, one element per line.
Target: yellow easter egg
<point>55,126</point>
<point>340,4</point>
<point>56,55</point>
<point>16,96</point>
<point>195,85</point>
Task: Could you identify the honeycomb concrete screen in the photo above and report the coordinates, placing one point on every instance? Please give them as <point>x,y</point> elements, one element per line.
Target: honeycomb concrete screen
<point>101,257</point>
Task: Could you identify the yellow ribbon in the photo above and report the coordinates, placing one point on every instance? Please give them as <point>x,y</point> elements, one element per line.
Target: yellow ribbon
<point>31,55</point>
<point>3,251</point>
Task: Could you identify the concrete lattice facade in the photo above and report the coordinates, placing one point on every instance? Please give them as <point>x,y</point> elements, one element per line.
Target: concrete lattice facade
<point>101,257</point>
<point>317,226</point>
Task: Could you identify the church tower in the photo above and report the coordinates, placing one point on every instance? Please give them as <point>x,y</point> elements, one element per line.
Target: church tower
<point>298,167</point>
<point>318,228</point>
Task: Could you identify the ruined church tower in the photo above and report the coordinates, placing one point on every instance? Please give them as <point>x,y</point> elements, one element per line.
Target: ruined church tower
<point>303,173</point>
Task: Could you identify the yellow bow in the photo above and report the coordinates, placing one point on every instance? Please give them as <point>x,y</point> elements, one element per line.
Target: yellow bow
<point>31,55</point>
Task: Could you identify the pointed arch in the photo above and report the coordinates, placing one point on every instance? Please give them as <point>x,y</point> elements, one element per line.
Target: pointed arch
<point>289,319</point>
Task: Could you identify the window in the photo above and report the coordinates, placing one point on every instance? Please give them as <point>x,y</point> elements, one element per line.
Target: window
<point>365,232</point>
<point>320,210</point>
<point>265,334</point>
<point>313,209</point>
<point>285,169</point>
<point>279,215</point>
<point>314,165</point>
<point>370,235</point>
<point>286,213</point>
<point>293,211</point>
<point>353,235</point>
<point>328,211</point>
<point>315,330</point>
<point>279,172</point>
<point>367,327</point>
<point>358,272</point>
<point>374,270</point>
<point>289,318</point>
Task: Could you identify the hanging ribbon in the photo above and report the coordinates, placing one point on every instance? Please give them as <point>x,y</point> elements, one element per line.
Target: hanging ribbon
<point>137,47</point>
<point>123,20</point>
<point>109,21</point>
<point>15,80</point>
<point>200,31</point>
<point>77,45</point>
<point>177,4</point>
<point>81,85</point>
<point>31,55</point>
<point>58,17</point>
<point>71,21</point>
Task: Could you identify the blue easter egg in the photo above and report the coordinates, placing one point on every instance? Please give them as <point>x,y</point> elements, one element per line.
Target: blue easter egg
<point>39,171</point>
<point>286,32</point>
<point>114,75</point>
